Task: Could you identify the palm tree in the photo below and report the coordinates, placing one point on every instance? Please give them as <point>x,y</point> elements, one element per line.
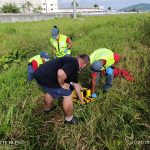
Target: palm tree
<point>38,9</point>
<point>95,5</point>
<point>24,8</point>
<point>29,6</point>
<point>109,8</point>
<point>76,4</point>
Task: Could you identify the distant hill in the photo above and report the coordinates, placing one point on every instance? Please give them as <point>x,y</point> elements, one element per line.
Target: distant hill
<point>137,7</point>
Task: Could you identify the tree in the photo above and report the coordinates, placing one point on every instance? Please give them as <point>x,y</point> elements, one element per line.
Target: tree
<point>38,9</point>
<point>76,4</point>
<point>10,8</point>
<point>133,10</point>
<point>109,8</point>
<point>95,5</point>
<point>24,8</point>
<point>27,7</point>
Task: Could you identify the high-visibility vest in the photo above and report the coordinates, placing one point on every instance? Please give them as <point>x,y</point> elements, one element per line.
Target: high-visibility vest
<point>60,46</point>
<point>38,59</point>
<point>105,54</point>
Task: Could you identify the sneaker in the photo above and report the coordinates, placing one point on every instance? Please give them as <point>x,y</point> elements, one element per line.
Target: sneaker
<point>104,91</point>
<point>74,120</point>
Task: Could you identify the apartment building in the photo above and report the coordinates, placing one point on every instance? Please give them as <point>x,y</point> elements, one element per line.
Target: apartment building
<point>49,6</point>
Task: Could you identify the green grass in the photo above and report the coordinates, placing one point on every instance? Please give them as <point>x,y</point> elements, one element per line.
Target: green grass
<point>117,120</point>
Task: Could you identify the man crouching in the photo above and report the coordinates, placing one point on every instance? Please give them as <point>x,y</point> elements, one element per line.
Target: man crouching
<point>55,77</point>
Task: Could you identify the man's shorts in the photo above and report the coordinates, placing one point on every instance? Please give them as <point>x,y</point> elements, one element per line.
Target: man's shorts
<point>57,92</point>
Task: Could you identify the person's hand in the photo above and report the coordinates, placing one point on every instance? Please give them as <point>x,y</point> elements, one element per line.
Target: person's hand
<point>81,88</point>
<point>66,86</point>
<point>65,50</point>
<point>82,101</point>
<point>109,71</point>
<point>94,95</point>
<point>103,72</point>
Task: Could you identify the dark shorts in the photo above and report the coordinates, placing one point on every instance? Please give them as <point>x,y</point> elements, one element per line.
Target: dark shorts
<point>57,92</point>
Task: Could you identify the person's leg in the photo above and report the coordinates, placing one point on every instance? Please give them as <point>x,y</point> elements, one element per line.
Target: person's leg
<point>48,101</point>
<point>68,106</point>
<point>68,110</point>
<point>30,73</point>
<point>109,79</point>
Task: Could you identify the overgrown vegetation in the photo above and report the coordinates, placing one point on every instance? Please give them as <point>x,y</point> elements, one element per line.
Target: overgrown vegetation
<point>144,32</point>
<point>117,120</point>
<point>10,8</point>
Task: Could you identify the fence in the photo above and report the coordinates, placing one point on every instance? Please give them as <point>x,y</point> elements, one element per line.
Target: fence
<point>30,17</point>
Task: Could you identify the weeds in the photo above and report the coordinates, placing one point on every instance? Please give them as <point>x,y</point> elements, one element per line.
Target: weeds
<point>116,120</point>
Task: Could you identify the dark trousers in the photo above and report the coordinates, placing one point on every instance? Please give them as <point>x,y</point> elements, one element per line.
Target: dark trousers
<point>109,79</point>
<point>30,73</point>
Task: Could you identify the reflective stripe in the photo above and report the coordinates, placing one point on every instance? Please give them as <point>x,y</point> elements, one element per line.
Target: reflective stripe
<point>38,60</point>
<point>105,54</point>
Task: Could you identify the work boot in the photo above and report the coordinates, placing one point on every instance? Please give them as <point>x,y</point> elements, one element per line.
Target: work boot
<point>74,120</point>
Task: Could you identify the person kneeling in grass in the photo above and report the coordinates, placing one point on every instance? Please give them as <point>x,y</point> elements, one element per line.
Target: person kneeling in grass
<point>57,77</point>
<point>103,62</point>
<point>35,62</point>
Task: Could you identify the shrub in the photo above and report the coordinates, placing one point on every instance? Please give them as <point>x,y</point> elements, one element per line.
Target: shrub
<point>10,8</point>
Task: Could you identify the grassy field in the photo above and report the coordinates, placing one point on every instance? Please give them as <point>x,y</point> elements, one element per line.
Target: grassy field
<point>118,120</point>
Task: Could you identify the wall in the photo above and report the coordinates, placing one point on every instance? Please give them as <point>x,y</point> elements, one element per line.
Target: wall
<point>29,17</point>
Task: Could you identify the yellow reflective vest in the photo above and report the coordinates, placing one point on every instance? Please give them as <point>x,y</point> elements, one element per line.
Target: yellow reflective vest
<point>105,54</point>
<point>60,45</point>
<point>38,59</point>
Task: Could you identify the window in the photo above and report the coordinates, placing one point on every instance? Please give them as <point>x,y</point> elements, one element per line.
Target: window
<point>51,4</point>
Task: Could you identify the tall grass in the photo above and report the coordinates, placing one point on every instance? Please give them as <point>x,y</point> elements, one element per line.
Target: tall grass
<point>116,120</point>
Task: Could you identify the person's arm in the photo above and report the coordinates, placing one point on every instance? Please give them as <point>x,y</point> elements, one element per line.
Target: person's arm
<point>114,65</point>
<point>78,88</point>
<point>69,43</point>
<point>34,65</point>
<point>93,82</point>
<point>103,72</point>
<point>61,77</point>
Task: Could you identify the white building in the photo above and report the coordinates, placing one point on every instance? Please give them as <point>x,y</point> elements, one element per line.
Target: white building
<point>48,6</point>
<point>81,10</point>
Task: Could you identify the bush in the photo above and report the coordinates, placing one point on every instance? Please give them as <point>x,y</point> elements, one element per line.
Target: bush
<point>10,8</point>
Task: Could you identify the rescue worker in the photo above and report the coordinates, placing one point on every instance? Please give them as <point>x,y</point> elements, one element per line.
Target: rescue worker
<point>57,77</point>
<point>35,62</point>
<point>102,62</point>
<point>61,44</point>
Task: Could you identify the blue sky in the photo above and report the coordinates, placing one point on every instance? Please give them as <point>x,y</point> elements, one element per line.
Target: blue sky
<point>113,3</point>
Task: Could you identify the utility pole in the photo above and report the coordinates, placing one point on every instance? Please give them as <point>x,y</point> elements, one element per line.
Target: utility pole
<point>46,5</point>
<point>74,9</point>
